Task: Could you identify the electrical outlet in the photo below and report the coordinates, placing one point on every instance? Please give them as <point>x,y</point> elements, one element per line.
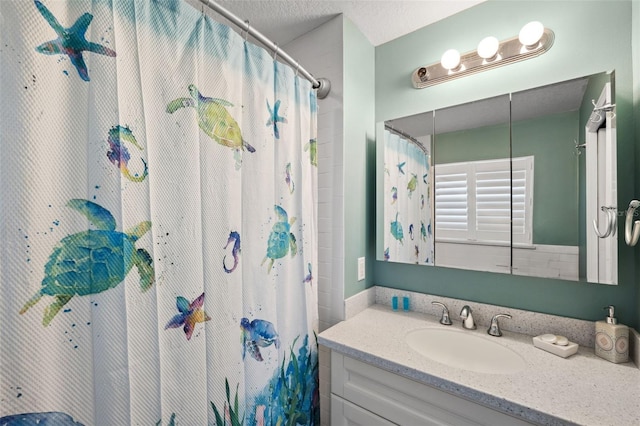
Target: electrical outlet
<point>360,268</point>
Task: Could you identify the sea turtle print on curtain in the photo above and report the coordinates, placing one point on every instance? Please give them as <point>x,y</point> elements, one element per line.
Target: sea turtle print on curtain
<point>158,220</point>
<point>92,261</point>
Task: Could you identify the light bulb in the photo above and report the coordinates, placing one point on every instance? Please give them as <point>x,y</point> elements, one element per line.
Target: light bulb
<point>450,59</point>
<point>488,47</point>
<point>531,34</point>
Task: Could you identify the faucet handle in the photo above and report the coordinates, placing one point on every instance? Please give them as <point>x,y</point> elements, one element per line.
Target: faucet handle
<point>494,328</point>
<point>445,320</point>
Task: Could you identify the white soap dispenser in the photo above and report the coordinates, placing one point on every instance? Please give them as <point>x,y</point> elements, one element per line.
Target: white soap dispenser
<point>612,339</point>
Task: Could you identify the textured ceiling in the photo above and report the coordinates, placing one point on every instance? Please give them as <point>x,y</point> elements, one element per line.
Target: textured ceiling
<point>379,20</point>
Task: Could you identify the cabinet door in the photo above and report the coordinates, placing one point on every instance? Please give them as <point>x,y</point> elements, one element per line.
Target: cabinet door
<point>344,413</point>
<point>407,402</point>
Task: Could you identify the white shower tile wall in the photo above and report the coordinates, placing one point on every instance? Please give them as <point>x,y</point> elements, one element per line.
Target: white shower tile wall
<point>547,261</point>
<point>320,52</point>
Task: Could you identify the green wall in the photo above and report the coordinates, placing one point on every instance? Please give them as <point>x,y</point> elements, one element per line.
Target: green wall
<point>550,140</point>
<point>590,37</point>
<point>484,143</point>
<point>359,157</point>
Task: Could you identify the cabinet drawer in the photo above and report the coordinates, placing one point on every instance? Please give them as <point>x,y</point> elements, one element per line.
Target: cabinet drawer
<point>407,402</point>
<point>344,413</point>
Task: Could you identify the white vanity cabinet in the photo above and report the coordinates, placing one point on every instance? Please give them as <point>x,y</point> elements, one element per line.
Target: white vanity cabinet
<point>362,394</point>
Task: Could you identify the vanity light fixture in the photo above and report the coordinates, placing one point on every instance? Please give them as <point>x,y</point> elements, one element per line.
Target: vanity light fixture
<point>533,40</point>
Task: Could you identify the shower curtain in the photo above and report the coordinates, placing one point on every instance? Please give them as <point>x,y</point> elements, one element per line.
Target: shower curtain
<point>158,229</point>
<point>408,237</point>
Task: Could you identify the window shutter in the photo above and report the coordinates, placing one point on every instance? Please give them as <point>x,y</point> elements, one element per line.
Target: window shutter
<point>475,201</point>
<point>522,199</point>
<point>493,205</point>
<point>452,201</point>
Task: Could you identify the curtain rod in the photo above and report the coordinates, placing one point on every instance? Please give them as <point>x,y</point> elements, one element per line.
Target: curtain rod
<point>323,85</point>
<point>407,136</point>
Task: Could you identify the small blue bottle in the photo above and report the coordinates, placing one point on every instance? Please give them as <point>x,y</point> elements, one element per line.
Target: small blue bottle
<point>394,302</point>
<point>405,303</point>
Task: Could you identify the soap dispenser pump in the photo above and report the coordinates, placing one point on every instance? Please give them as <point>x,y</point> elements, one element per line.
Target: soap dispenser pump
<point>612,339</point>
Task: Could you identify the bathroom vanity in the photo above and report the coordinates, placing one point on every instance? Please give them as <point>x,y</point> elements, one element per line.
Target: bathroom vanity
<point>378,379</point>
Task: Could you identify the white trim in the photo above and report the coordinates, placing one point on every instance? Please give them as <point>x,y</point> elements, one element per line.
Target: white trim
<point>601,184</point>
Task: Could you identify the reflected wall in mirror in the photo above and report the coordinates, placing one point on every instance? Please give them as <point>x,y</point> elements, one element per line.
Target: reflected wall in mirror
<point>473,186</point>
<point>523,183</point>
<point>408,235</point>
<point>568,181</point>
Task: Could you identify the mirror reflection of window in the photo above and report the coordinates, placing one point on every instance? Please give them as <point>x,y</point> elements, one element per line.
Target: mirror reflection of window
<point>473,201</point>
<point>473,186</point>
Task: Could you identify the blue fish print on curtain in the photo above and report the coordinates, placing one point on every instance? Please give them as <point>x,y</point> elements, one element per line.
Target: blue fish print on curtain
<point>71,41</point>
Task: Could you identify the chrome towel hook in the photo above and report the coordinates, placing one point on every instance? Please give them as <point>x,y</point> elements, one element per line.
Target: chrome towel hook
<point>631,228</point>
<point>612,222</point>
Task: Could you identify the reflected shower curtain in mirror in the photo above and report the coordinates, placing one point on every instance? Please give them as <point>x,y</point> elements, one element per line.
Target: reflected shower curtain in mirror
<point>407,210</point>
<point>158,220</point>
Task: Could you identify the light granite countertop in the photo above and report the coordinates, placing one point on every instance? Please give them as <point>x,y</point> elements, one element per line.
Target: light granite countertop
<point>582,389</point>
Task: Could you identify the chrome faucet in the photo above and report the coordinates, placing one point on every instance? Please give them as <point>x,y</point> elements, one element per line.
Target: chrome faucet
<point>467,318</point>
<point>445,320</point>
<point>494,328</point>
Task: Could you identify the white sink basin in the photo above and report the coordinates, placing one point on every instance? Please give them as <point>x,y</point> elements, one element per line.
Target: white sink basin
<point>465,350</point>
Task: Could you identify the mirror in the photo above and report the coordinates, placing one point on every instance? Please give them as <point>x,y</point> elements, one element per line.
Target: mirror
<point>523,183</point>
<point>408,236</point>
<point>473,186</point>
<point>550,191</point>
